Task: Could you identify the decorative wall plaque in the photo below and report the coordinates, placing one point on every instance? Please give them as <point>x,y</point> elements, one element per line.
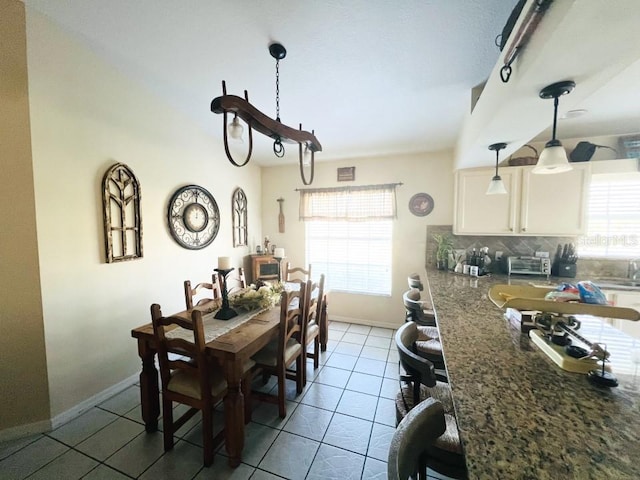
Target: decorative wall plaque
<point>121,214</point>
<point>239,214</point>
<point>346,174</point>
<point>421,204</point>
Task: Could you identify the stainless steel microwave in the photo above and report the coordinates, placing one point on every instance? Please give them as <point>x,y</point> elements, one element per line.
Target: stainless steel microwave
<point>529,266</point>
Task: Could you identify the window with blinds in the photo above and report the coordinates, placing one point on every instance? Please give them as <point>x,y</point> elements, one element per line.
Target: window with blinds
<point>349,236</point>
<point>613,222</point>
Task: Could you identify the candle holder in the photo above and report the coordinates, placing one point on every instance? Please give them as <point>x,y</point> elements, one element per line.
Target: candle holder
<point>225,312</point>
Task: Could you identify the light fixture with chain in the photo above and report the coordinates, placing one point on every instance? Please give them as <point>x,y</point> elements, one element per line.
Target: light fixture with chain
<point>308,144</point>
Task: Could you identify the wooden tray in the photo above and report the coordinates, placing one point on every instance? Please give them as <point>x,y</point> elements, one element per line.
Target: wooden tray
<point>523,297</point>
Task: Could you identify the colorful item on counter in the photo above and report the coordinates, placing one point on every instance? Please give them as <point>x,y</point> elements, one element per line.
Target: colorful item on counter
<point>590,293</point>
<point>568,287</point>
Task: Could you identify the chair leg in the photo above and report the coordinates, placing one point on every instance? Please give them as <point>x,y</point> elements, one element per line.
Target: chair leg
<point>207,435</point>
<point>282,375</point>
<point>301,372</point>
<point>316,353</point>
<point>167,424</point>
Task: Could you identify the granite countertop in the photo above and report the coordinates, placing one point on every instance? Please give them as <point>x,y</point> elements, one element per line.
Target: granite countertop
<point>520,416</point>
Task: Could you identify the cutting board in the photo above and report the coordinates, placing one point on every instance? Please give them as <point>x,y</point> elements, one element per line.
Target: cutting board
<point>525,297</point>
<point>557,354</point>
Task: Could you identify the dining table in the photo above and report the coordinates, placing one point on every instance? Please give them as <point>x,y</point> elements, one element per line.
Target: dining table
<point>241,339</point>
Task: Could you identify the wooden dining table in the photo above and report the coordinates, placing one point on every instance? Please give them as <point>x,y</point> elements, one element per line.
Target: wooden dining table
<point>232,350</point>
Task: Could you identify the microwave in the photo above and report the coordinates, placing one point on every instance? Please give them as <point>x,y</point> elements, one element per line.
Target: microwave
<point>529,266</point>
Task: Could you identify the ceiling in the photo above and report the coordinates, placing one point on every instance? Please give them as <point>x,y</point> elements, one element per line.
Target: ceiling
<point>373,77</point>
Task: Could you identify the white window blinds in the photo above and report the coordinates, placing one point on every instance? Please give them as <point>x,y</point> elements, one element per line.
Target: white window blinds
<point>613,224</point>
<point>349,236</point>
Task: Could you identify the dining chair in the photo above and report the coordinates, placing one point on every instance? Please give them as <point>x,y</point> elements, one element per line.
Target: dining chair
<point>278,356</point>
<point>188,379</point>
<point>414,281</point>
<point>240,281</point>
<point>421,382</point>
<point>312,316</point>
<point>417,431</point>
<point>415,311</point>
<point>191,292</point>
<point>297,274</point>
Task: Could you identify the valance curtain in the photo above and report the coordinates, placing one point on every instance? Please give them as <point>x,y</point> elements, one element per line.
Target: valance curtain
<point>369,202</point>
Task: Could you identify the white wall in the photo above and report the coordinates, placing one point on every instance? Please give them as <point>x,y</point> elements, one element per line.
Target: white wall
<point>430,172</point>
<point>87,116</point>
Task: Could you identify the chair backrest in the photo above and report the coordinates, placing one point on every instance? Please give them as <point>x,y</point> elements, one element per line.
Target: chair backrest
<point>238,283</point>
<point>195,363</point>
<point>411,300</point>
<point>291,318</point>
<point>297,274</point>
<point>242,279</point>
<point>414,435</point>
<point>314,299</point>
<point>191,292</point>
<point>414,281</point>
<point>419,369</point>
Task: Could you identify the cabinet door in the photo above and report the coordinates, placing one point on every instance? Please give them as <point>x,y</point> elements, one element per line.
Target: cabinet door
<point>629,300</point>
<point>482,214</point>
<point>554,205</point>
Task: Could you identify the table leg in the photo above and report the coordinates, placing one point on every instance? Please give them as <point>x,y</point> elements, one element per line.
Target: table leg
<point>324,325</point>
<point>149,393</point>
<point>234,413</point>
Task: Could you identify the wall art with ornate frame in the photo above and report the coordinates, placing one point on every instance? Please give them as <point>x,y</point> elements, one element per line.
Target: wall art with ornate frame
<point>239,216</point>
<point>121,214</point>
<point>193,217</point>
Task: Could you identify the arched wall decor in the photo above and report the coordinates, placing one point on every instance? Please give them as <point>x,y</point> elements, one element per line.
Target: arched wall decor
<point>121,213</point>
<point>239,214</point>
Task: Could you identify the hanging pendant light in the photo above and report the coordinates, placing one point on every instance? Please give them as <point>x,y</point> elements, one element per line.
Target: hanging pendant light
<point>235,129</point>
<point>496,187</point>
<point>553,158</point>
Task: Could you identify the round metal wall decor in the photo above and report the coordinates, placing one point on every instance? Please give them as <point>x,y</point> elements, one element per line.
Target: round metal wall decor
<point>421,204</point>
<point>194,217</point>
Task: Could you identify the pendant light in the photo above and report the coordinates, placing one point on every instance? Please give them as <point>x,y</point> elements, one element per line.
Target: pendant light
<point>496,187</point>
<point>553,158</point>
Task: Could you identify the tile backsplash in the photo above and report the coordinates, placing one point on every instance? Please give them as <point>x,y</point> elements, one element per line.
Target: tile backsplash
<point>514,245</point>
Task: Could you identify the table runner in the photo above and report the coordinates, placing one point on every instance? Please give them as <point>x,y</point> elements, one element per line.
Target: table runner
<point>214,328</point>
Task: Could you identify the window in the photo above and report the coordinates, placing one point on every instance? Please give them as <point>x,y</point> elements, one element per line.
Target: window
<point>349,236</point>
<point>613,221</point>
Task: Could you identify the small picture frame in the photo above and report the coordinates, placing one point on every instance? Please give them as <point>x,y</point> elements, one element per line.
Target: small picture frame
<point>346,174</point>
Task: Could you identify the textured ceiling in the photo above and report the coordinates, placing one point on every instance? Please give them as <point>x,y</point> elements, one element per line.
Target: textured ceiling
<point>370,77</point>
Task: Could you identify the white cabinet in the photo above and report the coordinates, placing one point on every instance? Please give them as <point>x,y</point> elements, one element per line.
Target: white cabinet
<point>550,205</point>
<point>630,300</point>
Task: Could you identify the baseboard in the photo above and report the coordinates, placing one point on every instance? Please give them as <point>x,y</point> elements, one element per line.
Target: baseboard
<point>363,321</point>
<point>21,431</point>
<point>91,402</point>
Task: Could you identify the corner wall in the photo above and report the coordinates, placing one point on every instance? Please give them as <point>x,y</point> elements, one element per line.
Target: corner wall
<point>431,173</point>
<point>87,115</point>
<point>23,368</point>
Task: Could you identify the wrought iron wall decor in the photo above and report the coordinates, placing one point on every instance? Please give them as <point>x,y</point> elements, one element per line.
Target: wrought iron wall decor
<point>194,217</point>
<point>121,214</point>
<point>239,213</point>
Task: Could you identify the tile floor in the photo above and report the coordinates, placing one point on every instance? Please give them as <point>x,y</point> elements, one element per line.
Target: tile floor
<point>338,428</point>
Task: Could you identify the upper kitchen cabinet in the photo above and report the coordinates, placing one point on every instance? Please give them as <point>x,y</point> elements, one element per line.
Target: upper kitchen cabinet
<point>549,205</point>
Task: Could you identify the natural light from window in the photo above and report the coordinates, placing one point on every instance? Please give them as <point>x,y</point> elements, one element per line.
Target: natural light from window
<point>613,217</point>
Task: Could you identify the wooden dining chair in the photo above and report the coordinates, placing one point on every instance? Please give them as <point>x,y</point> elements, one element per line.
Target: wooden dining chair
<point>422,381</point>
<point>410,442</point>
<point>278,356</point>
<point>313,313</point>
<point>189,379</point>
<point>237,282</point>
<point>296,274</point>
<point>191,292</point>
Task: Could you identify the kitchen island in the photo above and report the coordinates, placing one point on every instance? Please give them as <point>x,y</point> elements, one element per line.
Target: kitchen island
<point>520,416</point>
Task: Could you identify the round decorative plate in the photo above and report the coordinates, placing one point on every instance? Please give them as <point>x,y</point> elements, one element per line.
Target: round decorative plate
<point>194,217</point>
<point>421,204</point>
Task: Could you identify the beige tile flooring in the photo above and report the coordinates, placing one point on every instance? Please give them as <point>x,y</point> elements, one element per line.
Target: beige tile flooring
<point>338,428</point>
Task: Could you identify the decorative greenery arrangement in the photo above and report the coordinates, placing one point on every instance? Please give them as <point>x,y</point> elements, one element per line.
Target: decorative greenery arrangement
<point>254,297</point>
<point>445,247</point>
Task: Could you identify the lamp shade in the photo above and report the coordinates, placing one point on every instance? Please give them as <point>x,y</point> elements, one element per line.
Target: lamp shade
<point>496,187</point>
<point>553,159</point>
<point>236,129</point>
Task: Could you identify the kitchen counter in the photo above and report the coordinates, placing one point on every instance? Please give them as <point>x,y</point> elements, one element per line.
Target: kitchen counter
<point>520,416</point>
